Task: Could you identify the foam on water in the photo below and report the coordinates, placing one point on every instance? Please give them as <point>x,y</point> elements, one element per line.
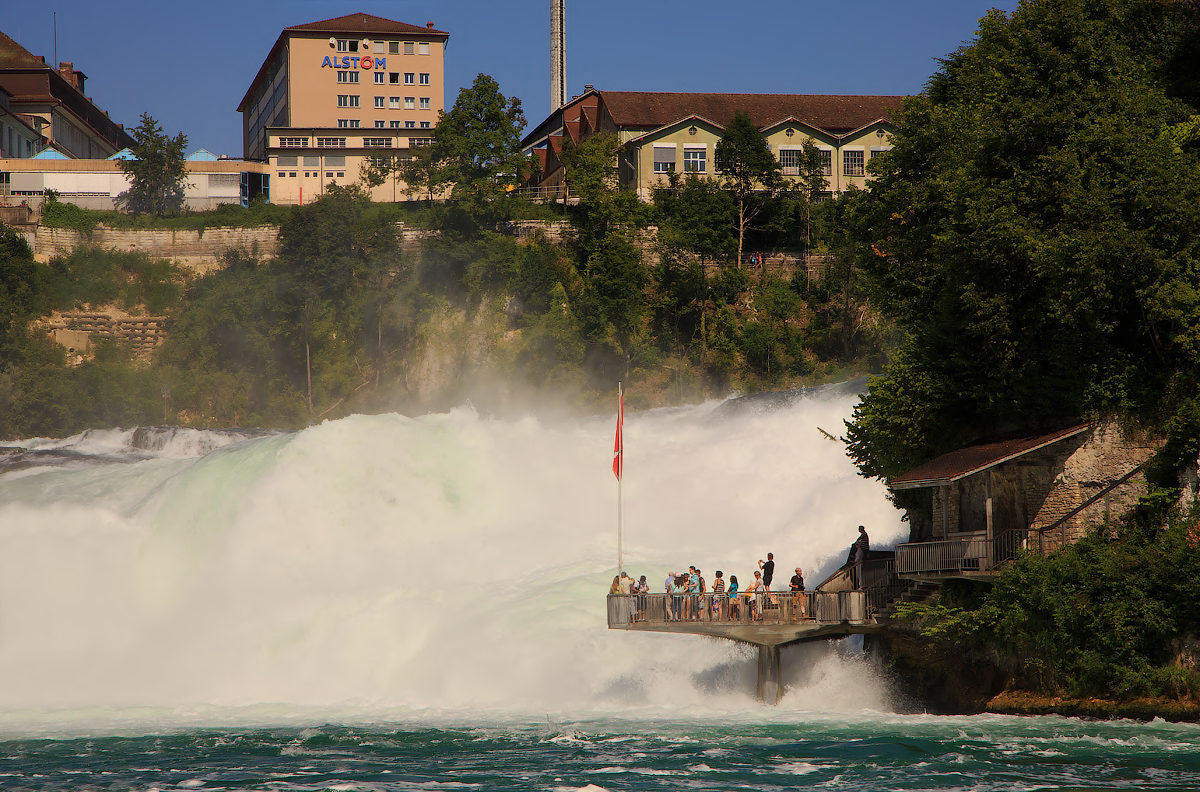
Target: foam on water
<point>382,565</point>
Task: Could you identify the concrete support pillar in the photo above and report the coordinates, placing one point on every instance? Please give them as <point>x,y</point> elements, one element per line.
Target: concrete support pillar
<point>770,676</point>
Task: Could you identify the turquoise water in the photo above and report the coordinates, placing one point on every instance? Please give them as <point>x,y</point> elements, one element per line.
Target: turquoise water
<point>867,752</point>
<point>184,610</point>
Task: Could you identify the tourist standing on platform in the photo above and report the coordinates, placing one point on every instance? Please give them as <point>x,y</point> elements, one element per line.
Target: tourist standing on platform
<point>798,596</point>
<point>677,592</point>
<point>718,590</point>
<point>862,546</point>
<point>670,581</point>
<point>641,589</point>
<point>693,603</point>
<point>768,571</point>
<point>735,608</point>
<point>756,591</point>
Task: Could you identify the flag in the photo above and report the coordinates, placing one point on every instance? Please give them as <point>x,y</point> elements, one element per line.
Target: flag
<point>618,445</point>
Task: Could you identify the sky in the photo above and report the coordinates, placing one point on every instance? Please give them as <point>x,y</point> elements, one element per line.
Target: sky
<point>189,64</point>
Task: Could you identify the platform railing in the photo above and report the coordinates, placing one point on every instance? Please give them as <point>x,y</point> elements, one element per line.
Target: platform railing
<point>776,607</point>
<point>963,556</point>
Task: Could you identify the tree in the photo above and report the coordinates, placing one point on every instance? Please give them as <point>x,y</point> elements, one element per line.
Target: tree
<point>1036,234</point>
<point>478,142</point>
<point>420,171</point>
<point>158,172</point>
<point>749,171</point>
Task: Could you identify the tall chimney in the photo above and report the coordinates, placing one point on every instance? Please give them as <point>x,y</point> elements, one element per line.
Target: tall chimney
<point>558,54</point>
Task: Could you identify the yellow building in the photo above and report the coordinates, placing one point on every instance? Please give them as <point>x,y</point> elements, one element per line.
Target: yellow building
<point>332,94</point>
<point>664,133</point>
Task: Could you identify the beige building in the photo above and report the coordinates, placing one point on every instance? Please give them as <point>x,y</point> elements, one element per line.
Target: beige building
<point>664,133</point>
<point>332,94</point>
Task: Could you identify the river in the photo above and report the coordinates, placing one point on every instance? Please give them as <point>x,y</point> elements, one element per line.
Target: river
<point>384,602</point>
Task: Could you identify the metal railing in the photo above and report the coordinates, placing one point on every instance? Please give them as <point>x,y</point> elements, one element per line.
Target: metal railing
<point>967,555</point>
<point>776,607</point>
<point>880,582</point>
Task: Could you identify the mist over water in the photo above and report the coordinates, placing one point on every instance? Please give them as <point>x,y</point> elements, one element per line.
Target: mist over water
<point>417,568</point>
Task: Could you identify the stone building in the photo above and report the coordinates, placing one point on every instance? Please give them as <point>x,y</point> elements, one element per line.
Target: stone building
<point>1034,493</point>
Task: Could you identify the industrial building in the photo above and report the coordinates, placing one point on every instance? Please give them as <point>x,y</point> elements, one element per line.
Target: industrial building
<point>332,94</point>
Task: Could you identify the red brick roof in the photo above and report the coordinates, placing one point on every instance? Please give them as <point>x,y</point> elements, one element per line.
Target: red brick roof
<point>964,462</point>
<point>833,113</point>
<point>367,23</point>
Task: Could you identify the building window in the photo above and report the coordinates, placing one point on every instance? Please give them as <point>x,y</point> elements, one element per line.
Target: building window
<point>394,103</point>
<point>380,124</point>
<point>410,48</point>
<point>354,123</point>
<point>376,142</point>
<point>286,162</point>
<point>879,152</point>
<point>347,100</point>
<point>293,142</point>
<point>335,161</point>
<point>347,45</point>
<point>423,48</point>
<point>410,103</point>
<point>331,142</point>
<point>379,47</point>
<point>393,78</point>
<point>409,78</point>
<point>425,125</point>
<point>418,142</point>
<point>826,161</point>
<point>695,160</point>
<point>379,78</point>
<point>425,103</point>
<point>410,124</point>
<point>424,78</point>
<point>344,76</point>
<point>852,163</point>
<point>394,125</point>
<point>379,102</point>
<point>790,161</point>
<point>343,123</point>
<point>312,162</point>
<point>664,159</point>
<point>393,47</point>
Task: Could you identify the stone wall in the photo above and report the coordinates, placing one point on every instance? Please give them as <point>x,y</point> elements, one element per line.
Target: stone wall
<point>1106,455</point>
<point>191,248</point>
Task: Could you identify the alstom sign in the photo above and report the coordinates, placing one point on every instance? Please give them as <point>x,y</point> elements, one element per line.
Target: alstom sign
<point>353,62</point>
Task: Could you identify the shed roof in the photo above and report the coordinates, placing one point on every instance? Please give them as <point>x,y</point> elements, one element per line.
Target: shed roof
<point>964,462</point>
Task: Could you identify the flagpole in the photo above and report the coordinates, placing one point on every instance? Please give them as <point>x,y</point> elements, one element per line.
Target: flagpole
<point>621,475</point>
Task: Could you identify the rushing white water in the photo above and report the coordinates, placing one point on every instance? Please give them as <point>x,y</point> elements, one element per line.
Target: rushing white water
<point>443,564</point>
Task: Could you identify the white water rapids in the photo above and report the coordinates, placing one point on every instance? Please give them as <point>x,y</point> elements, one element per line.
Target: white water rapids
<point>448,563</point>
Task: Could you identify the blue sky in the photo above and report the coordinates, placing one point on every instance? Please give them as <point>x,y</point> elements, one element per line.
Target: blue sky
<point>188,64</point>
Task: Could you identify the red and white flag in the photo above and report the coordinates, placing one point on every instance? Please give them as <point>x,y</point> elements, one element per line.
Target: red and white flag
<point>618,445</point>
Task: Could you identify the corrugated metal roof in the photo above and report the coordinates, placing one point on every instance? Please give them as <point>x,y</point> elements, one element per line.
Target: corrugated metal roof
<point>964,462</point>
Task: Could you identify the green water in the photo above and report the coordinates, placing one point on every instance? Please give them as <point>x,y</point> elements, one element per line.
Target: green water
<point>864,752</point>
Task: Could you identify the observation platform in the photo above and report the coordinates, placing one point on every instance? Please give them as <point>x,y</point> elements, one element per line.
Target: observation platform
<point>768,621</point>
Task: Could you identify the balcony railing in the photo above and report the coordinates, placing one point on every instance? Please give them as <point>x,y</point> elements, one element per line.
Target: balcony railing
<point>964,556</point>
<point>778,607</point>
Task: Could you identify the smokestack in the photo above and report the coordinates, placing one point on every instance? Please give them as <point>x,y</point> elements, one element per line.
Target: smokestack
<point>558,54</point>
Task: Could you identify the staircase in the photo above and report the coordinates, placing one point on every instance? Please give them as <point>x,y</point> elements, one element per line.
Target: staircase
<point>920,593</point>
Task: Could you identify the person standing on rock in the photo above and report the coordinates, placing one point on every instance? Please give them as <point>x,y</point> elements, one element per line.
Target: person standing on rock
<point>862,546</point>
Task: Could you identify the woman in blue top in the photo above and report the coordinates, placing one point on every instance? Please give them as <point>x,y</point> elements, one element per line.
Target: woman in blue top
<point>735,612</point>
